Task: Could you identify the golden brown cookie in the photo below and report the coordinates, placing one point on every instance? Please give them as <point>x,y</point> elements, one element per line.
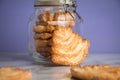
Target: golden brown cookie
<point>41,23</point>
<point>41,29</point>
<point>46,16</point>
<point>43,35</point>
<point>9,73</point>
<point>96,72</point>
<point>67,47</point>
<point>42,43</point>
<point>43,49</point>
<point>70,60</point>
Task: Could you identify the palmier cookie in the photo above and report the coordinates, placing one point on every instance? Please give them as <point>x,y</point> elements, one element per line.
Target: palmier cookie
<point>46,16</point>
<point>10,73</point>
<point>42,36</point>
<point>44,43</point>
<point>43,49</point>
<point>67,47</point>
<point>96,72</point>
<point>41,29</point>
<point>71,59</point>
<point>41,23</point>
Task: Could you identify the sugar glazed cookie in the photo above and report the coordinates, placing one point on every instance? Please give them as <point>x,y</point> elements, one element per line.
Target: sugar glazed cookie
<point>67,47</point>
<point>9,73</point>
<point>96,72</point>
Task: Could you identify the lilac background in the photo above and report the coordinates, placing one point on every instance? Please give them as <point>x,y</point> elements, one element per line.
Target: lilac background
<point>101,24</point>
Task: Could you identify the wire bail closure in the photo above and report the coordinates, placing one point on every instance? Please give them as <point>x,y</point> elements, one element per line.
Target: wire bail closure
<point>74,5</point>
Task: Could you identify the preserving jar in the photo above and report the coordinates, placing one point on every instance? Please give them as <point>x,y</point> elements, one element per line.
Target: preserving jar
<point>49,16</point>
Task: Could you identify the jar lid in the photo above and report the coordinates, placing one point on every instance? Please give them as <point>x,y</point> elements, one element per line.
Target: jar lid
<point>52,2</point>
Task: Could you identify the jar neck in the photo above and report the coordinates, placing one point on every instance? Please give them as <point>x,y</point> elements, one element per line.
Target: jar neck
<point>52,2</point>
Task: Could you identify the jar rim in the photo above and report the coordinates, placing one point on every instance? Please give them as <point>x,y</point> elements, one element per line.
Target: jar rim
<point>52,2</point>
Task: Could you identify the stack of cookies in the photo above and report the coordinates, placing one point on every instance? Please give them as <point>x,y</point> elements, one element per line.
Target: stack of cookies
<point>43,34</point>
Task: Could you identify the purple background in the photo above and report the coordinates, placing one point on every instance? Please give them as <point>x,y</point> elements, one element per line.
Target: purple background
<point>101,24</point>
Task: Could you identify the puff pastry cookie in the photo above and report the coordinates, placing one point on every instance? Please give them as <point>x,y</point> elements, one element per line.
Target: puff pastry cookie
<point>41,29</point>
<point>96,72</point>
<point>46,16</point>
<point>9,73</point>
<point>42,43</point>
<point>41,23</point>
<point>44,36</point>
<point>67,47</point>
<point>44,51</point>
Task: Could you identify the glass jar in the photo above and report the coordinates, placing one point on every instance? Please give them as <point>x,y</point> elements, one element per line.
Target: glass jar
<point>48,16</point>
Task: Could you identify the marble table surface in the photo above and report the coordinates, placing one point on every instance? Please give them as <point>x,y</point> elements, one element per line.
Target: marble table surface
<point>46,71</point>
